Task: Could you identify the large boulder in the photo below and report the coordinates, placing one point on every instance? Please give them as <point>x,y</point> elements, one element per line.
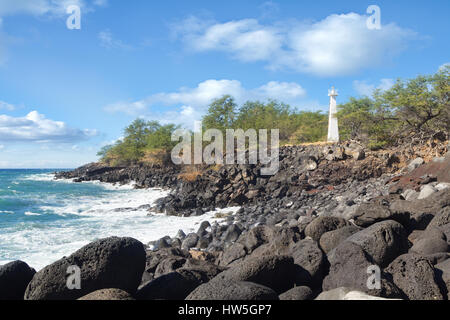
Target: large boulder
<point>169,265</point>
<point>256,237</point>
<point>107,263</point>
<point>415,276</point>
<point>428,246</point>
<point>224,290</point>
<point>332,239</point>
<point>14,278</point>
<point>172,286</point>
<point>324,224</point>
<point>309,257</point>
<point>233,254</point>
<point>376,211</point>
<point>383,241</point>
<point>275,272</point>
<point>107,294</point>
<point>349,266</point>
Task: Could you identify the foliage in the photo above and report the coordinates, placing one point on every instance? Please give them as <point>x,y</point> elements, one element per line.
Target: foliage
<point>418,106</point>
<point>140,138</point>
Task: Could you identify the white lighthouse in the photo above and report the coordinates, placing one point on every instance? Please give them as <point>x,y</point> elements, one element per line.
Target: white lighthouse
<point>333,128</point>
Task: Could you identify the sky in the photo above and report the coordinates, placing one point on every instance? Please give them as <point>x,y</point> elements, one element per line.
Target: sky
<point>65,92</point>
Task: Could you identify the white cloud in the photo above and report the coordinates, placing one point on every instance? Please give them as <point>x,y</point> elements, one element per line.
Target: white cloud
<point>365,89</point>
<point>2,147</point>
<point>202,95</point>
<point>45,7</point>
<point>36,127</point>
<point>337,45</point>
<point>6,106</point>
<point>108,41</point>
<point>37,7</point>
<point>189,104</point>
<point>48,8</point>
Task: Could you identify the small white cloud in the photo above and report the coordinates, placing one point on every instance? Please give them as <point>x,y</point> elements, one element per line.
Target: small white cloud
<point>108,41</point>
<point>365,89</point>
<point>2,147</point>
<point>36,127</point>
<point>6,106</point>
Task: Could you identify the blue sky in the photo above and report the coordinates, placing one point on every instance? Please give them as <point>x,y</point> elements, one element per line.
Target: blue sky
<point>65,93</point>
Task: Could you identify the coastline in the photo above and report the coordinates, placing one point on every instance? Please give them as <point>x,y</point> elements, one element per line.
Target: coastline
<point>356,212</point>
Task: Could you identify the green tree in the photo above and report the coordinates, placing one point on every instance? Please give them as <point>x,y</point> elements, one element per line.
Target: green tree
<point>221,114</point>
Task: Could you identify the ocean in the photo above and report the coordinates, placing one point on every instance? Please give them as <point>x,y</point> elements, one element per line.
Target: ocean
<point>42,219</point>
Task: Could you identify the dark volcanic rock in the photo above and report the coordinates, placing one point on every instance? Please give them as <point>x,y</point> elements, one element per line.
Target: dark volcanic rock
<point>442,218</point>
<point>233,254</point>
<point>415,276</point>
<point>14,278</point>
<point>275,272</point>
<point>428,246</point>
<point>107,294</point>
<point>378,210</point>
<point>168,265</point>
<point>307,254</point>
<point>241,290</point>
<point>172,286</point>
<point>332,239</point>
<point>349,268</point>
<point>443,274</point>
<point>297,293</point>
<point>107,263</point>
<point>324,224</point>
<point>383,241</point>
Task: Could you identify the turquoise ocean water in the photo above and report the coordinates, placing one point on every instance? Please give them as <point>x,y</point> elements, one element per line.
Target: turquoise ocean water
<point>42,220</point>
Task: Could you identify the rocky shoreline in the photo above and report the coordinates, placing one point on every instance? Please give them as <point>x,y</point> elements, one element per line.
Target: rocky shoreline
<point>312,231</point>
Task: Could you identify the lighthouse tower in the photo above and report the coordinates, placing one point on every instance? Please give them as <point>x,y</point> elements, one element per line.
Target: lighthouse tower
<point>333,128</point>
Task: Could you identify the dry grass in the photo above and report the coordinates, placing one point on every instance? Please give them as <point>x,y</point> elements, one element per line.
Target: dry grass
<point>157,157</point>
<point>190,173</point>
